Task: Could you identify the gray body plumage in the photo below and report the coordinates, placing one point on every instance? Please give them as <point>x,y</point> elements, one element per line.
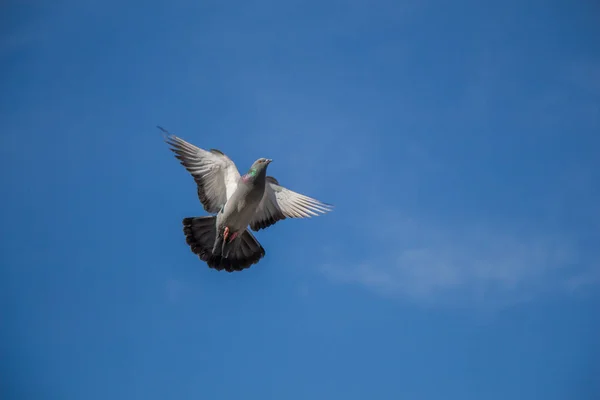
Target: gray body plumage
<point>241,207</point>
<point>254,200</point>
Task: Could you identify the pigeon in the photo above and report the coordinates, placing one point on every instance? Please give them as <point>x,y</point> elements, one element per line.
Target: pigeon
<point>252,200</point>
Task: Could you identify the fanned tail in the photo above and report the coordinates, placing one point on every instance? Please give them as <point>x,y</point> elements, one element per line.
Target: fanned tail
<point>201,233</point>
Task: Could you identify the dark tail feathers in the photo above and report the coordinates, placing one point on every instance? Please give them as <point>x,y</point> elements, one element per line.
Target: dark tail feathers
<point>200,235</point>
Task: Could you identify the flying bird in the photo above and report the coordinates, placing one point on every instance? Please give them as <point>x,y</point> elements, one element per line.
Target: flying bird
<point>252,200</point>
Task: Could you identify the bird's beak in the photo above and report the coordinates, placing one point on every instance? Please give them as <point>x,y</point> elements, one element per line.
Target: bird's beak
<point>268,161</point>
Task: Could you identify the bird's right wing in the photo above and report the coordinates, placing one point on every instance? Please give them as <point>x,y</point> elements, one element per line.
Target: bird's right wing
<point>215,174</point>
<point>280,203</point>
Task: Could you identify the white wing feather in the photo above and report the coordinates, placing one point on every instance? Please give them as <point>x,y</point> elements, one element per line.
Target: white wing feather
<point>279,203</point>
<point>215,174</point>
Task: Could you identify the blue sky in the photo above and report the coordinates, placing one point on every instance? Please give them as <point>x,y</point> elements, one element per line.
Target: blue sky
<point>457,140</point>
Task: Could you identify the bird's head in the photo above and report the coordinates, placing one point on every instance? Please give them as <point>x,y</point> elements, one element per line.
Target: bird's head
<point>259,167</point>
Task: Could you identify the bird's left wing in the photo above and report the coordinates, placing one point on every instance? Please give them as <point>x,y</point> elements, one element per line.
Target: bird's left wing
<point>280,203</point>
<point>215,174</point>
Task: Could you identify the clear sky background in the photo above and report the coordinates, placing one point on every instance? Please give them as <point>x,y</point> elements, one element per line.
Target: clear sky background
<point>459,142</point>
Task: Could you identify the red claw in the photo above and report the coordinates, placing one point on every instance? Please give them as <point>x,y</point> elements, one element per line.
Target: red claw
<point>226,233</point>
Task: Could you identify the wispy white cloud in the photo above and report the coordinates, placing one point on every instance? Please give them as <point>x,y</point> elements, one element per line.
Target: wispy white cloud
<point>585,279</point>
<point>439,264</point>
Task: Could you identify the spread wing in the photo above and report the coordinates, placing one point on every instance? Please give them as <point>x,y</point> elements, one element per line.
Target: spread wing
<point>215,174</point>
<point>280,203</point>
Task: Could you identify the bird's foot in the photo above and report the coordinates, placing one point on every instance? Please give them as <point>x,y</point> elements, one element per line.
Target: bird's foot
<point>227,237</point>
